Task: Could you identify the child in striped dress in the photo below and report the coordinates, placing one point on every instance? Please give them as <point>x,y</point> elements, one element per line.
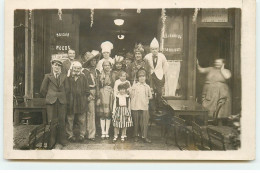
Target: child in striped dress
<point>121,112</point>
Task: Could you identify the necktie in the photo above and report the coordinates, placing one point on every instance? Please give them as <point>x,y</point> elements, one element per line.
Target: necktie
<point>58,78</point>
<point>154,61</point>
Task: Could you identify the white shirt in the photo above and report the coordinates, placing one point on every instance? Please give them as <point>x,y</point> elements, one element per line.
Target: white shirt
<point>122,101</point>
<point>161,66</point>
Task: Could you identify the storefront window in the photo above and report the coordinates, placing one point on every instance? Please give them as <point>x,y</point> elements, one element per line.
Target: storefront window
<point>173,48</point>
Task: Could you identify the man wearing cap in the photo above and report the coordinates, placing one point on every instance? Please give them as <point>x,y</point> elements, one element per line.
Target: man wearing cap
<point>54,87</point>
<point>138,63</point>
<point>158,67</point>
<point>77,101</point>
<point>91,59</point>
<point>106,47</point>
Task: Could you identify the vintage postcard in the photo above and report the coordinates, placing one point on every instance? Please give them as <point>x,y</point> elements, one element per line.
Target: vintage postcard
<point>130,80</point>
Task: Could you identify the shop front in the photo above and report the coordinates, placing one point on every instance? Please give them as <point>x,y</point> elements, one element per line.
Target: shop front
<point>184,35</point>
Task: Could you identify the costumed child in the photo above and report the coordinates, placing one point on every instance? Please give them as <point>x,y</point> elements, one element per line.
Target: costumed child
<point>140,96</point>
<point>118,67</point>
<point>106,96</point>
<point>121,112</point>
<point>77,97</point>
<point>122,79</point>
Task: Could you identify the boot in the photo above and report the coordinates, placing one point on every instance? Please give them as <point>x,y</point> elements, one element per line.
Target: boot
<point>107,127</point>
<point>102,124</point>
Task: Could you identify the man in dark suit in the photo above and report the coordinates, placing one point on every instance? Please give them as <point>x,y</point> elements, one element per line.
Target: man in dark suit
<point>54,87</point>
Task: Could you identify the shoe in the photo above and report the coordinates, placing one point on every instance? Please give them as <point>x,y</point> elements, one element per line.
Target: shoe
<point>103,136</point>
<point>64,143</point>
<point>146,140</point>
<point>81,138</point>
<point>115,139</point>
<point>91,139</point>
<point>107,136</point>
<point>136,139</point>
<point>72,139</point>
<point>122,139</point>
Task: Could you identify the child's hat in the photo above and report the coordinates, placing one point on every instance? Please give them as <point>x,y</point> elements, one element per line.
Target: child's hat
<point>141,72</point>
<point>119,59</point>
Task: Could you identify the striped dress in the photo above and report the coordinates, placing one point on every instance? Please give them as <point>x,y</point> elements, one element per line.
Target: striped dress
<point>122,112</point>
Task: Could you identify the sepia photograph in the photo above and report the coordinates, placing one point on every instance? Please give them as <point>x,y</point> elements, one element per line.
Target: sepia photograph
<point>126,80</point>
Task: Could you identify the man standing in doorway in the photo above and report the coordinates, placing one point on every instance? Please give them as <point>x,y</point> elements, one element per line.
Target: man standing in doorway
<point>158,67</point>
<point>66,64</point>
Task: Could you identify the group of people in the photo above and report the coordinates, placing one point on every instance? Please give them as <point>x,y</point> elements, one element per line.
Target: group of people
<point>118,90</point>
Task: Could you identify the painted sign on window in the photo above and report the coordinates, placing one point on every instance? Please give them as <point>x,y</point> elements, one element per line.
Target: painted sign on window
<point>173,36</point>
<point>214,15</point>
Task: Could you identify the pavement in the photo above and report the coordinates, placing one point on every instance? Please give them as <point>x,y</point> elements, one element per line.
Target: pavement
<point>158,143</point>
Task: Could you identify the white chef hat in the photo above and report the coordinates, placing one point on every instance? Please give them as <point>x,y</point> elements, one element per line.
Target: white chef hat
<point>106,46</point>
<point>154,43</point>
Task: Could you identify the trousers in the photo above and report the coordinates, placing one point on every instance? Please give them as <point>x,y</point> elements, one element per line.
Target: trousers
<point>91,115</point>
<point>141,120</point>
<point>56,115</point>
<point>81,123</point>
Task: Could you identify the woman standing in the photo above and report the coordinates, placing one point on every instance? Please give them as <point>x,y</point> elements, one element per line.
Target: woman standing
<point>106,51</point>
<point>138,63</point>
<point>215,88</point>
<point>106,97</point>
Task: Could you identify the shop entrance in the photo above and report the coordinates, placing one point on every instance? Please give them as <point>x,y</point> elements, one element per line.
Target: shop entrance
<point>137,27</point>
<point>211,43</point>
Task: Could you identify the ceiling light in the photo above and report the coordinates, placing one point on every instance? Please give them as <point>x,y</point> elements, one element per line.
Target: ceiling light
<point>119,22</point>
<point>120,36</point>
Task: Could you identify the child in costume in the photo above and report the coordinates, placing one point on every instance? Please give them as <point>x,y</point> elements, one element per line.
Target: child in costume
<point>121,112</point>
<point>122,79</point>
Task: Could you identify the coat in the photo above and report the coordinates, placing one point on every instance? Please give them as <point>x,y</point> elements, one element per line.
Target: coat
<point>78,94</point>
<point>53,90</point>
<point>161,65</point>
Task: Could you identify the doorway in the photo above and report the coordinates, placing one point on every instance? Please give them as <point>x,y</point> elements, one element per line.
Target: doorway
<point>137,28</point>
<point>212,43</point>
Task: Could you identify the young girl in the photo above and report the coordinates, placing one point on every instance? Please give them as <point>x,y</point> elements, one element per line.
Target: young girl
<point>121,112</point>
<point>122,79</point>
<point>106,97</point>
<point>118,67</point>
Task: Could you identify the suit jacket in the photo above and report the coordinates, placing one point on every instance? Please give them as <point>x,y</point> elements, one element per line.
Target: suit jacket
<point>53,90</point>
<point>66,66</point>
<point>161,66</point>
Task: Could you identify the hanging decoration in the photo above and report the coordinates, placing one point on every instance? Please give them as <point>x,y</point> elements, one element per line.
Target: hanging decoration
<point>138,10</point>
<point>30,14</point>
<point>91,17</point>
<point>60,14</point>
<point>194,17</point>
<point>163,18</point>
